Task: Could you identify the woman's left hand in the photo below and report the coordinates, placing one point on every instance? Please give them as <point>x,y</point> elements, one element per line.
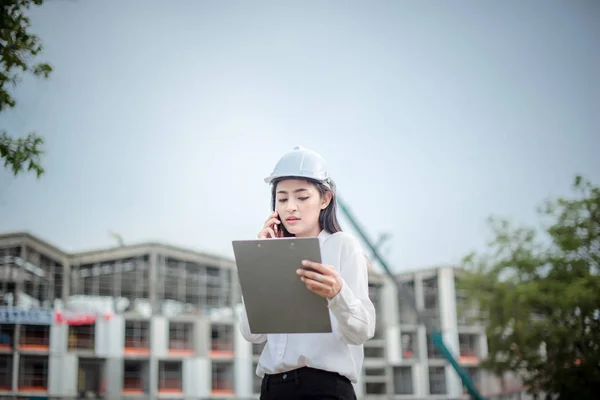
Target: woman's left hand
<point>324,280</point>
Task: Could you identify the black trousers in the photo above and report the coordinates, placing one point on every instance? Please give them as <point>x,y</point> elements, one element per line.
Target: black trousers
<point>306,383</point>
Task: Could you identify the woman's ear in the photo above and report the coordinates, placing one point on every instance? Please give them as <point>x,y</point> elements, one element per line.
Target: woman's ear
<point>326,200</point>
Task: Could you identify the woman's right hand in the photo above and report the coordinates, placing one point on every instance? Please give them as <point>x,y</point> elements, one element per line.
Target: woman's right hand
<point>271,228</point>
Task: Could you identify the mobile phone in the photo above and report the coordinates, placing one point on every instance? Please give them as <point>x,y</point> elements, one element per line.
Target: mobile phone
<point>280,230</point>
<point>276,227</point>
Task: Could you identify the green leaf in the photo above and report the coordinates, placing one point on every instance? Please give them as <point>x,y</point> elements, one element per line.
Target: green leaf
<point>543,294</point>
<point>18,48</point>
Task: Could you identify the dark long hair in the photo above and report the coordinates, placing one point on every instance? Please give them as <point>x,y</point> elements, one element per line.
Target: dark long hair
<point>327,217</point>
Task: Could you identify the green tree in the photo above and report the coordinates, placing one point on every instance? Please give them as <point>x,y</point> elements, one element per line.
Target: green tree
<point>539,298</point>
<point>18,50</point>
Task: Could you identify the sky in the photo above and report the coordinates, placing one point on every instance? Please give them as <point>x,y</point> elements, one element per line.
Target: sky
<point>162,118</point>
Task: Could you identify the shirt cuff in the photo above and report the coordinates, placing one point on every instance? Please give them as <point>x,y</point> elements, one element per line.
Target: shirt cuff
<point>343,300</point>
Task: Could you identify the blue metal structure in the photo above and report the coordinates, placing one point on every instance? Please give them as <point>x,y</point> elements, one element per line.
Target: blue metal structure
<point>403,296</point>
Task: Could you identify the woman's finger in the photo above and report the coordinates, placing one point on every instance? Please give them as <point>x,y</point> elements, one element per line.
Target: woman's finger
<point>315,276</point>
<point>317,287</point>
<point>321,268</point>
<point>272,216</point>
<point>272,222</point>
<point>263,234</point>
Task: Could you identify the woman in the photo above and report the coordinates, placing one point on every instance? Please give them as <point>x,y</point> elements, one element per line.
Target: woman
<point>319,365</point>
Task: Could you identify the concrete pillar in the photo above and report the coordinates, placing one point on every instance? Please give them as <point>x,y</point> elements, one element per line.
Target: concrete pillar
<point>389,314</point>
<point>242,373</point>
<point>15,376</point>
<point>63,370</point>
<point>159,333</point>
<point>419,388</point>
<point>66,280</point>
<point>113,374</point>
<point>59,335</point>
<point>421,369</point>
<point>235,292</point>
<point>110,336</point>
<point>197,377</point>
<point>393,345</point>
<point>153,282</point>
<point>152,377</point>
<point>19,282</point>
<point>449,326</point>
<point>419,295</point>
<point>202,337</point>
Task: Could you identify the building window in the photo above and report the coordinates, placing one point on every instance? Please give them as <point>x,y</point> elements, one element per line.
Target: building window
<point>181,338</point>
<point>468,348</point>
<point>376,388</point>
<point>408,341</point>
<point>40,269</point>
<point>42,277</point>
<point>137,337</point>
<point>33,374</point>
<point>467,313</point>
<point>475,374</point>
<point>256,380</point>
<point>7,337</point>
<point>81,337</point>
<point>431,300</point>
<point>6,372</point>
<point>91,376</point>
<point>407,313</point>
<point>432,351</point>
<point>375,296</point>
<point>135,377</point>
<point>170,377</point>
<point>374,352</point>
<point>34,337</point>
<point>222,340</point>
<point>378,372</point>
<point>437,380</point>
<point>175,280</point>
<point>127,278</point>
<point>403,380</point>
<point>222,378</point>
<point>430,293</point>
<point>193,284</point>
<point>375,380</point>
<point>257,348</point>
<point>218,287</point>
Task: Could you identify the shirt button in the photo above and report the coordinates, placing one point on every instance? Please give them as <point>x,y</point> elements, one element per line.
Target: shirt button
<point>284,376</point>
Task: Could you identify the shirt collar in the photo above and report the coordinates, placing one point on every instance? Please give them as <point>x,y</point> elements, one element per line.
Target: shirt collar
<point>323,235</point>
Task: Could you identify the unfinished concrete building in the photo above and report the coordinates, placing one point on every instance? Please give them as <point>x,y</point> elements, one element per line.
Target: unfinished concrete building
<point>157,321</point>
<point>134,321</point>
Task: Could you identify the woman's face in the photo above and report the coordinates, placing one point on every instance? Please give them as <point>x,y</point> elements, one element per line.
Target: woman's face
<point>299,204</point>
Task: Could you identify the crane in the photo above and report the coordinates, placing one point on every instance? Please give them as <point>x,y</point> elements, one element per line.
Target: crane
<point>436,335</point>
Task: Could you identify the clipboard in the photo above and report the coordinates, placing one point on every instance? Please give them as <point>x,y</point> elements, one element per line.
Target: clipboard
<point>276,300</point>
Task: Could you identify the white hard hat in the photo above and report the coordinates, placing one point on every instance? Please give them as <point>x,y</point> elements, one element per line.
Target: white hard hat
<point>301,163</point>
